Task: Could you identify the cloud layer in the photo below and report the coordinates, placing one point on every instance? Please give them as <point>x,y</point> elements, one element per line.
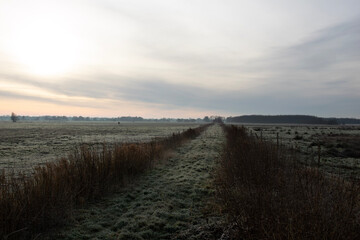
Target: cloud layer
<point>177,65</point>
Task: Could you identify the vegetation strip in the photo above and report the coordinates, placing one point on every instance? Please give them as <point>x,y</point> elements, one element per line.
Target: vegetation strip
<point>33,204</point>
<point>268,195</point>
<point>27,144</point>
<point>167,202</point>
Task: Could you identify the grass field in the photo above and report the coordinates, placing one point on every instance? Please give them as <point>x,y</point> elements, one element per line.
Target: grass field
<point>337,146</point>
<point>32,203</point>
<point>205,189</point>
<point>166,203</point>
<point>24,145</point>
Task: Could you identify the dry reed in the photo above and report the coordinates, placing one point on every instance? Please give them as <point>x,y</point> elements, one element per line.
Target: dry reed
<point>33,204</point>
<point>268,195</point>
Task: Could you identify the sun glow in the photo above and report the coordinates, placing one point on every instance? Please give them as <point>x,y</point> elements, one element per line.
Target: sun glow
<point>43,40</point>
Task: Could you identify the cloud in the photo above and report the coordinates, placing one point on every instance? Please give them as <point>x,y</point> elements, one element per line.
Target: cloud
<point>326,64</point>
<point>318,76</point>
<point>164,95</point>
<point>331,47</point>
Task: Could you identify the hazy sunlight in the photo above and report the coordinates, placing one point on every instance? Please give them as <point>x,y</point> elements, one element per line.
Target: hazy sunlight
<point>43,40</point>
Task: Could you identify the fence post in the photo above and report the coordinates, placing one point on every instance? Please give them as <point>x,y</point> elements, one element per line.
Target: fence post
<point>319,154</point>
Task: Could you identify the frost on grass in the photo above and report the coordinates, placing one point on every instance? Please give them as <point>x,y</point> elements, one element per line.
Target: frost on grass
<point>167,203</point>
<point>25,145</point>
<point>339,145</point>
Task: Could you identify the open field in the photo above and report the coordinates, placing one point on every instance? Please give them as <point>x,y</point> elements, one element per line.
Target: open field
<point>167,203</point>
<point>31,204</point>
<point>210,187</point>
<point>267,194</point>
<point>24,145</point>
<point>337,146</point>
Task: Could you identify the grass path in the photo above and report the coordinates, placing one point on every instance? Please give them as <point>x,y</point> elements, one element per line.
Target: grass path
<point>166,203</point>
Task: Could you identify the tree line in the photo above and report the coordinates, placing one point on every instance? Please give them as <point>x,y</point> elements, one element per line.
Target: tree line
<point>15,118</point>
<point>291,119</point>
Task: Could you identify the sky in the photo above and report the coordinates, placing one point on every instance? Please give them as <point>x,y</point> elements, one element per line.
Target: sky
<point>183,58</point>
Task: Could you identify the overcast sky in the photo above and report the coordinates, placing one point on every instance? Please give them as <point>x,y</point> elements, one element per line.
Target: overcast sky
<point>184,58</point>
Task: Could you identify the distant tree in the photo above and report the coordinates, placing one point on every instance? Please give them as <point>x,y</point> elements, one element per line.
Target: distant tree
<point>218,120</point>
<point>79,118</point>
<point>206,119</point>
<point>14,117</point>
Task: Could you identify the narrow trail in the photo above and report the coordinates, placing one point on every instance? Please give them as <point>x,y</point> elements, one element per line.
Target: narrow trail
<point>166,203</point>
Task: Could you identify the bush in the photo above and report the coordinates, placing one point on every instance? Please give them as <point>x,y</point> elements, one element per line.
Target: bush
<point>298,137</point>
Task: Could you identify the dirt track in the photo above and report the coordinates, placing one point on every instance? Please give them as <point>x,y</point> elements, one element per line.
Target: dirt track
<point>166,203</point>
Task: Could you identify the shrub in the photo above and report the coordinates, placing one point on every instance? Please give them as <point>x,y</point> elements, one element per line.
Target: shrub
<point>298,137</point>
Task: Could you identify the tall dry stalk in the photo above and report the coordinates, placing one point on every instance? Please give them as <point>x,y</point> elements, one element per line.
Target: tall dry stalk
<point>33,204</point>
<point>267,195</point>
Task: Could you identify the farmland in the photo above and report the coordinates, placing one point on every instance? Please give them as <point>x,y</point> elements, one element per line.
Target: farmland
<point>24,145</point>
<point>337,146</point>
<point>45,198</point>
<point>198,184</point>
<point>167,202</point>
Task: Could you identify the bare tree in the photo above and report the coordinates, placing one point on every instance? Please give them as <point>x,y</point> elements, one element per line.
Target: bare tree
<point>14,117</point>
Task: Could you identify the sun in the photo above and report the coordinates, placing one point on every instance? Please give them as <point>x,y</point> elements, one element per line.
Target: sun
<point>44,42</point>
<point>45,53</point>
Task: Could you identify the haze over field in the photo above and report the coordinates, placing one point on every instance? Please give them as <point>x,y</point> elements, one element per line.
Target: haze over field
<point>180,58</point>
